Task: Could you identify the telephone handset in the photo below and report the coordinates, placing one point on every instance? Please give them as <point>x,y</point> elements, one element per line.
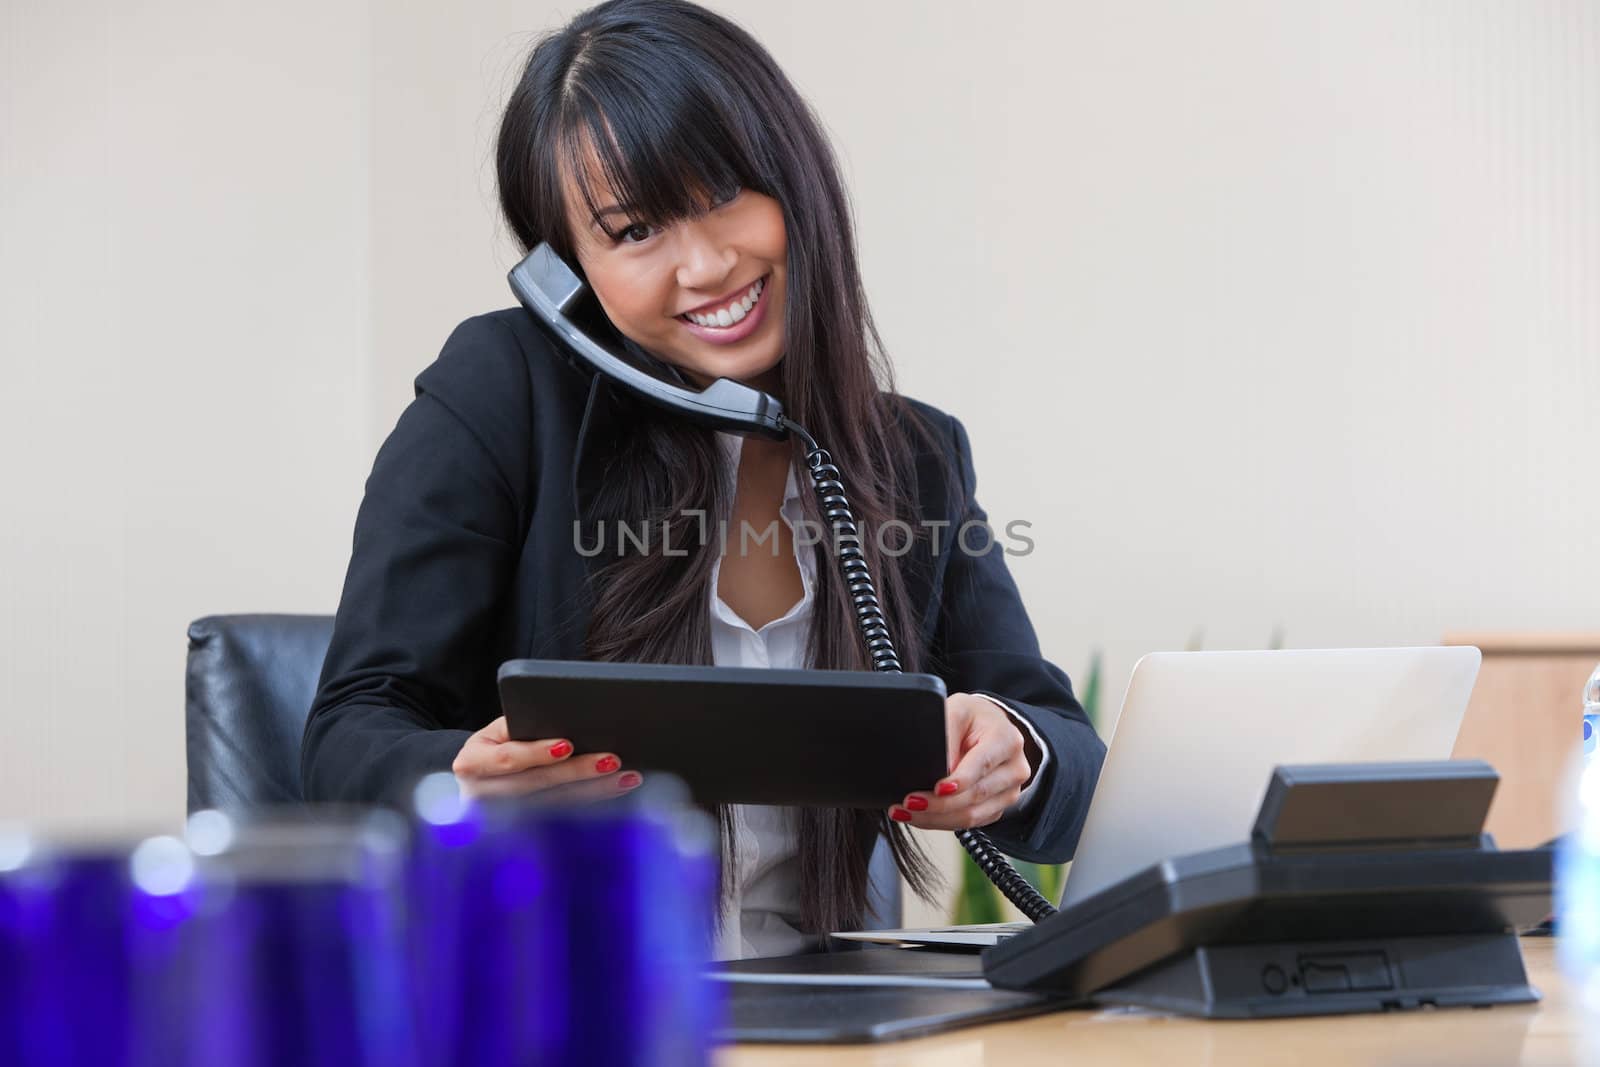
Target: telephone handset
<point>550,288</point>
<point>560,301</point>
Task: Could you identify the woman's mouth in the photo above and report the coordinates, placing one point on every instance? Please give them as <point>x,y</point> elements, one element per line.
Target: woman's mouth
<point>734,319</point>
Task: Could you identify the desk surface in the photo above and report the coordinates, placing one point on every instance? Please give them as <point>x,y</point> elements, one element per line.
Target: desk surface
<point>1547,1033</point>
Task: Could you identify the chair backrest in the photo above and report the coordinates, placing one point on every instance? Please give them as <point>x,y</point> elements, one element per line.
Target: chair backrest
<point>250,683</point>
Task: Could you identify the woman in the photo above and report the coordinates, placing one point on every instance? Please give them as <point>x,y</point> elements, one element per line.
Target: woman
<point>659,149</point>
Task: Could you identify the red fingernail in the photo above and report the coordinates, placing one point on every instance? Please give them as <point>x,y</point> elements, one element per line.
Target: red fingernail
<point>607,764</point>
<point>945,789</point>
<point>899,815</point>
<point>560,749</point>
<point>629,780</point>
<point>917,803</point>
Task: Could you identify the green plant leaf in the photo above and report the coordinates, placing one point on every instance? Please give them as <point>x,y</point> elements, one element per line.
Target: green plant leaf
<point>1052,876</point>
<point>981,901</point>
<point>978,901</point>
<point>1091,691</point>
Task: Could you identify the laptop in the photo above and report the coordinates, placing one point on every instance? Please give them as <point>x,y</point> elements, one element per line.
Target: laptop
<point>1199,736</point>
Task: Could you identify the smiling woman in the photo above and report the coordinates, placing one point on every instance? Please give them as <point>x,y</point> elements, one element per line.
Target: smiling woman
<point>691,290</point>
<point>659,150</point>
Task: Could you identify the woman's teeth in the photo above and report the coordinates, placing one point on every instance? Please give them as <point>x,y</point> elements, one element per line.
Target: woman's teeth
<point>733,312</point>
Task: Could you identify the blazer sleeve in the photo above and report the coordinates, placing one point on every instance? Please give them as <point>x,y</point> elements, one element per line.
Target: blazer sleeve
<point>436,542</point>
<point>984,643</point>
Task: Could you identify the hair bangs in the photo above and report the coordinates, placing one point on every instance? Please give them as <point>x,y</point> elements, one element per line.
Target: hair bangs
<point>666,148</point>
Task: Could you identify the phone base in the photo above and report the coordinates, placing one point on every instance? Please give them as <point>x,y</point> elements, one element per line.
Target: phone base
<point>1331,978</point>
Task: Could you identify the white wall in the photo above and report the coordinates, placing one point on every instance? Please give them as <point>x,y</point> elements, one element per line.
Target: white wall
<point>1265,315</point>
<point>184,322</point>
<point>1268,315</point>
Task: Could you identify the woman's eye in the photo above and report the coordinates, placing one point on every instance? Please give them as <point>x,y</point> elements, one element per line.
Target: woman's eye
<point>639,231</point>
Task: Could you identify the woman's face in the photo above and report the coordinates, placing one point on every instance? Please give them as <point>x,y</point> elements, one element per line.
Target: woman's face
<point>705,294</point>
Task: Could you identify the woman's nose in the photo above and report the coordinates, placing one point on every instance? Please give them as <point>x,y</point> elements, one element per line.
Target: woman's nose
<point>704,259</point>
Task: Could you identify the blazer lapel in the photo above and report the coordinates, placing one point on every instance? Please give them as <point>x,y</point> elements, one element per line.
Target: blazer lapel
<point>597,436</point>
<point>572,588</point>
<point>922,568</point>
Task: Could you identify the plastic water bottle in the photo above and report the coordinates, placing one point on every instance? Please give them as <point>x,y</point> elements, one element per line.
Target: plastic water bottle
<point>1578,866</point>
<point>1591,714</point>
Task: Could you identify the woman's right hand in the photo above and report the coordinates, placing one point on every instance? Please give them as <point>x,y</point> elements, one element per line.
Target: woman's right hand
<point>490,764</point>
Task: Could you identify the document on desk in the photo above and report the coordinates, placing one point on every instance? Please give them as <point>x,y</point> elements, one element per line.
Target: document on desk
<point>875,967</point>
<point>879,981</point>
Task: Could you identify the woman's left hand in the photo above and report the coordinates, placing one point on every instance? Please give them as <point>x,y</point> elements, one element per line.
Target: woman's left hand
<point>989,767</point>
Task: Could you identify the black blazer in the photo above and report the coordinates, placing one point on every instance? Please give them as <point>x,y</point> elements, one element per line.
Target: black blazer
<point>463,558</point>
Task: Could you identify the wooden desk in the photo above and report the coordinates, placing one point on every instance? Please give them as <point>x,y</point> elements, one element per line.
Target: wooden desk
<point>1550,1033</point>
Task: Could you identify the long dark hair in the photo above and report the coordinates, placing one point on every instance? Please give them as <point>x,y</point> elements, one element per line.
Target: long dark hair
<point>678,101</point>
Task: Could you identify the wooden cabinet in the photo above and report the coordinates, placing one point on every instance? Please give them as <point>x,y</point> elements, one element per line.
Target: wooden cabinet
<point>1526,719</point>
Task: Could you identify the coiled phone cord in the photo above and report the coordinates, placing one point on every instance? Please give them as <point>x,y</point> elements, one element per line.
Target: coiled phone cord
<point>880,646</point>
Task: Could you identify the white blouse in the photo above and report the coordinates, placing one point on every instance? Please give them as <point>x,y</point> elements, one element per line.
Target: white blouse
<point>761,905</point>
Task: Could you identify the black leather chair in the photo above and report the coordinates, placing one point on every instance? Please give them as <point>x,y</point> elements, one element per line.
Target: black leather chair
<point>251,680</point>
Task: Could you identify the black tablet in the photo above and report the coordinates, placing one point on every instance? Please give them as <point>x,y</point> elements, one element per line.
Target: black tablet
<point>742,735</point>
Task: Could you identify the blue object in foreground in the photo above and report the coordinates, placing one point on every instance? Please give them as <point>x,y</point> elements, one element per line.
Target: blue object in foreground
<point>636,883</point>
<point>1578,866</point>
<point>494,935</point>
<point>101,952</point>
<point>479,928</point>
<point>313,935</point>
<point>557,935</point>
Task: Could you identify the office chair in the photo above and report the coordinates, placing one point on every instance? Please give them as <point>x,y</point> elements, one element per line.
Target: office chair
<point>251,679</point>
<point>250,683</point>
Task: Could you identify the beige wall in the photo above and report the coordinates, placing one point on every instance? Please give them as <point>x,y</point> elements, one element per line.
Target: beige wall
<point>185,289</point>
<point>1265,315</point>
